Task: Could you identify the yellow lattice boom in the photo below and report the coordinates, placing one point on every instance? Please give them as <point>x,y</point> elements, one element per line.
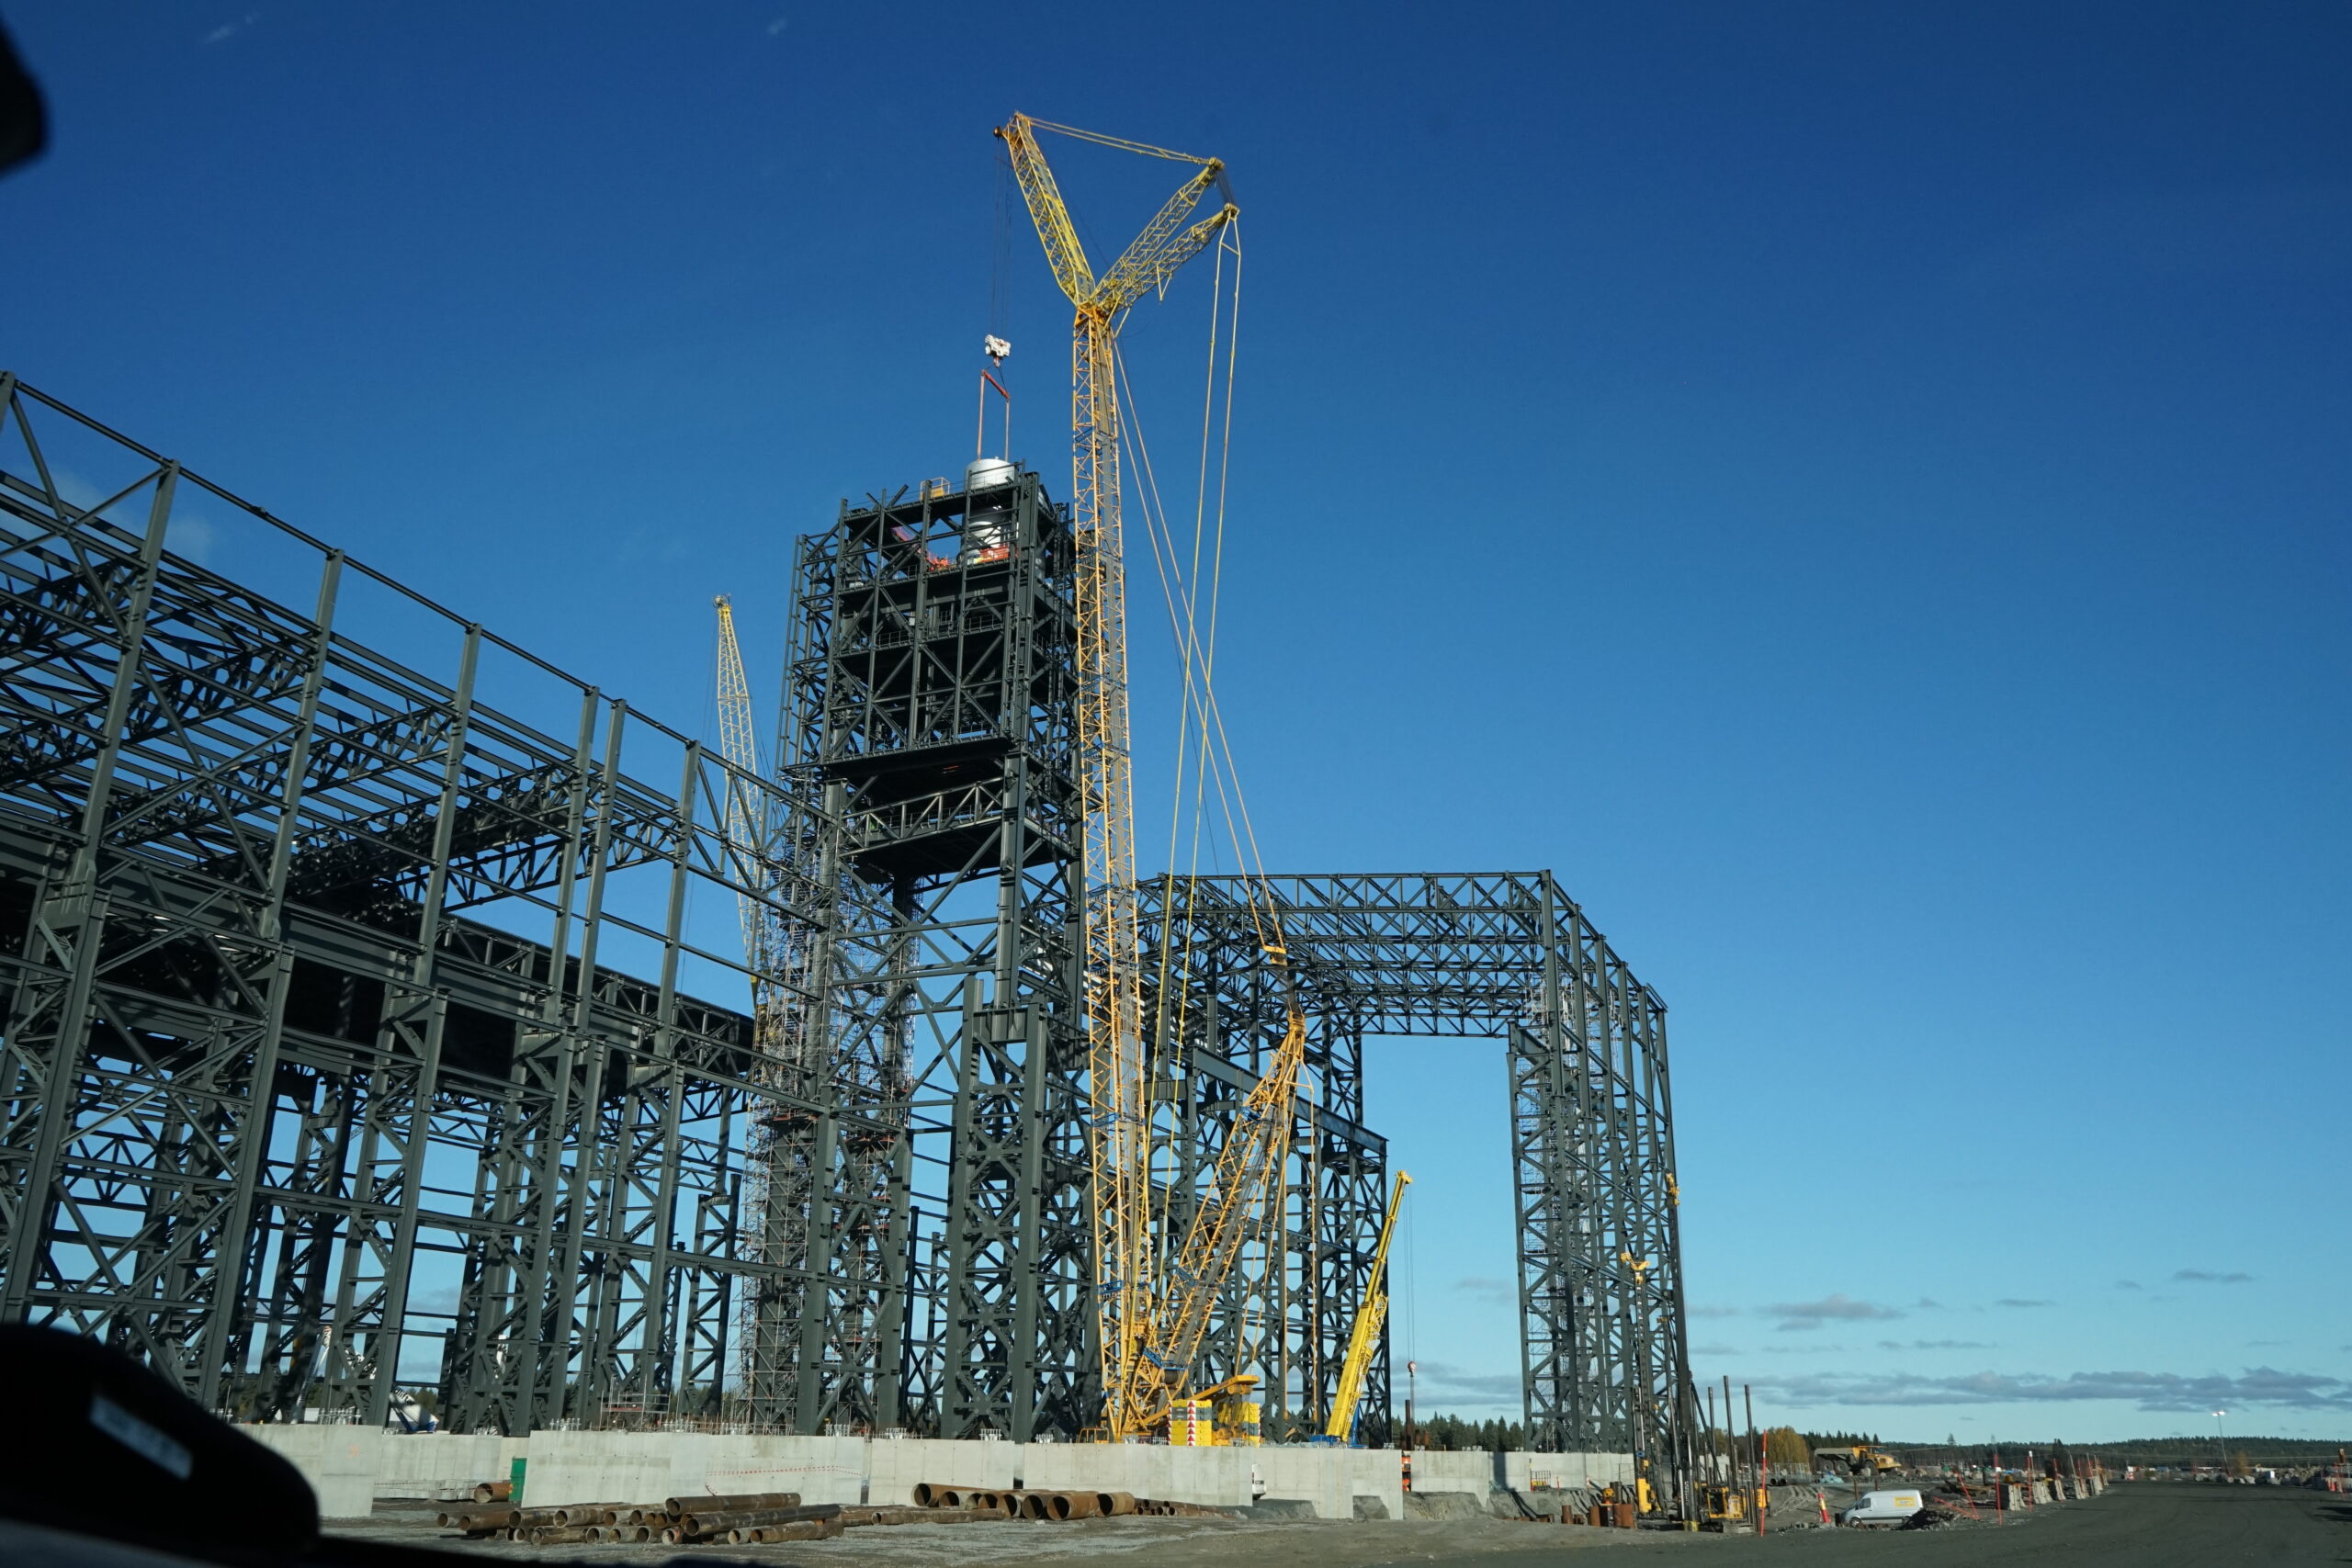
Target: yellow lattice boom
<point>1366,1336</point>
<point>1119,1144</point>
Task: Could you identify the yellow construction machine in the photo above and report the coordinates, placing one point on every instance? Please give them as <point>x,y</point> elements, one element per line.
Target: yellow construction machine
<point>1858,1460</point>
<point>1366,1336</point>
<point>1223,1414</point>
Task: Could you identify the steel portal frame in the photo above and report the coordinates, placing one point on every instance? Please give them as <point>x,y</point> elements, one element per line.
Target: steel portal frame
<point>1604,1365</point>
<point>321,1040</point>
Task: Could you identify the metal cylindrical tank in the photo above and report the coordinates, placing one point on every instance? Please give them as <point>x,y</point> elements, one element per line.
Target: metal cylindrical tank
<point>988,527</point>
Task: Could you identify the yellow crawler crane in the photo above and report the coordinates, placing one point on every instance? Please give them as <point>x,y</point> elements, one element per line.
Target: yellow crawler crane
<point>1138,1360</point>
<point>1246,1173</point>
<point>1341,1428</point>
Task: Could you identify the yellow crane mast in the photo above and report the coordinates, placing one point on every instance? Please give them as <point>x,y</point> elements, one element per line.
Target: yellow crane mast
<point>1367,1333</point>
<point>1120,1141</point>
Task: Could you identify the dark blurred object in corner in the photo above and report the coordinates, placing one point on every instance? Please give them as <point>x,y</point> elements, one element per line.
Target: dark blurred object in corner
<point>103,1447</point>
<point>24,124</point>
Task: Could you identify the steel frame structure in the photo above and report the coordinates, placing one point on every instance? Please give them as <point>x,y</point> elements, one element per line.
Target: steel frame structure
<point>284,1089</point>
<point>324,1037</point>
<point>1505,955</point>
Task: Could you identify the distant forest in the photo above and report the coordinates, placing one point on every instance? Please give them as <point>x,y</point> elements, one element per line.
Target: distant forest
<point>1452,1432</point>
<point>2153,1451</point>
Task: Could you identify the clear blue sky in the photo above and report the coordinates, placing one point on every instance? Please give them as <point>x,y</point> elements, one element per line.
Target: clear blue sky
<point>1860,490</point>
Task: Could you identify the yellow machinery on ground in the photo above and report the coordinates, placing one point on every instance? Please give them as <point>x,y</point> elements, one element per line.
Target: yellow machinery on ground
<point>1221,1415</point>
<point>1150,1328</point>
<point>1858,1460</point>
<point>1366,1336</point>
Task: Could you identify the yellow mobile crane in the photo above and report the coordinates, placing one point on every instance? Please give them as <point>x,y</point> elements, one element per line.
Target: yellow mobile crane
<point>1341,1428</point>
<point>1149,1335</point>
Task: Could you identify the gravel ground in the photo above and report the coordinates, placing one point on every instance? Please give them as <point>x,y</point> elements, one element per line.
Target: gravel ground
<point>1163,1542</point>
<point>2130,1527</point>
<point>2137,1525</point>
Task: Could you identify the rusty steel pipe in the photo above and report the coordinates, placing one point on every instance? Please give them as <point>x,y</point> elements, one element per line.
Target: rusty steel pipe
<point>678,1506</point>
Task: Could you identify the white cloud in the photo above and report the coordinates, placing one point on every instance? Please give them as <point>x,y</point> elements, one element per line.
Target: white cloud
<point>2167,1392</point>
<point>1485,1288</point>
<point>1800,1316</point>
<point>191,538</point>
<point>1444,1379</point>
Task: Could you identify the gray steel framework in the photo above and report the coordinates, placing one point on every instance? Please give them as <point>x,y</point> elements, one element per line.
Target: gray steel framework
<point>929,835</point>
<point>1505,955</point>
<point>322,1043</point>
<point>285,1090</point>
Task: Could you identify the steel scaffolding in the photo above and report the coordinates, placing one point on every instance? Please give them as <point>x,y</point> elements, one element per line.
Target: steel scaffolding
<point>366,1036</point>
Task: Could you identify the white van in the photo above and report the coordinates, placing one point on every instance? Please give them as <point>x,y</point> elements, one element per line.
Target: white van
<point>1882,1508</point>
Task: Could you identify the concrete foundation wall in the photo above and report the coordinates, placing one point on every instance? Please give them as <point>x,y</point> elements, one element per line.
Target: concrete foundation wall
<point>610,1467</point>
<point>340,1463</point>
<point>1480,1472</point>
<point>349,1467</point>
<point>445,1465</point>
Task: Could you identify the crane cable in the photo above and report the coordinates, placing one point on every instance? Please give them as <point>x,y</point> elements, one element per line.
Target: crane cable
<point>1215,761</point>
<point>1212,761</point>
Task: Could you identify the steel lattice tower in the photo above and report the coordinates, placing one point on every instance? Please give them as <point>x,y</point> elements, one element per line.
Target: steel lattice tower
<point>928,747</point>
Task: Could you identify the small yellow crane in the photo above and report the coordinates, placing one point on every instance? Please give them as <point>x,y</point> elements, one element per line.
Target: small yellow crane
<point>1366,1334</point>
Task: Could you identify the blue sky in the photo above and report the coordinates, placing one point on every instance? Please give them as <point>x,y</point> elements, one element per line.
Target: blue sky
<point>1858,490</point>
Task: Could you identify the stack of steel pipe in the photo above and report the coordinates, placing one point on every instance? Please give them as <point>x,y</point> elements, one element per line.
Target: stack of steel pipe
<point>703,1523</point>
<point>888,1515</point>
<point>936,1499</point>
<point>479,1520</point>
<point>678,1507</point>
<point>791,1529</point>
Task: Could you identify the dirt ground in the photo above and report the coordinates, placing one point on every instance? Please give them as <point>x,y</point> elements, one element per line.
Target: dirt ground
<point>1161,1542</point>
<point>2130,1527</point>
<point>2138,1526</point>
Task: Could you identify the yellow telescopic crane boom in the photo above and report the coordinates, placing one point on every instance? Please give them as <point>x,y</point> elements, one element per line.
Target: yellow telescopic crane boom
<point>1367,1333</point>
<point>1119,1143</point>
